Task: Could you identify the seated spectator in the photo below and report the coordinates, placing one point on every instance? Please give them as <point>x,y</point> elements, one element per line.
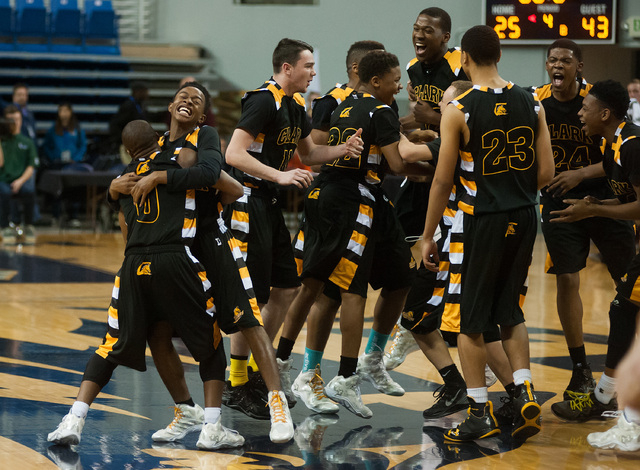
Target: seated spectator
<point>65,142</point>
<point>19,157</point>
<point>64,148</point>
<point>20,99</point>
<point>633,113</point>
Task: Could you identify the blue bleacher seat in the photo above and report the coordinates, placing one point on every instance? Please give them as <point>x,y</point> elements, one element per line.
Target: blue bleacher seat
<point>100,27</point>
<point>7,39</point>
<point>31,25</point>
<point>65,26</point>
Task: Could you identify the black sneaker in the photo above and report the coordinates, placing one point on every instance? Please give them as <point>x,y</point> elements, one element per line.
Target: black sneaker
<point>526,422</point>
<point>257,385</point>
<point>581,383</point>
<point>448,400</point>
<point>243,399</point>
<point>474,427</point>
<point>583,408</point>
<point>506,413</point>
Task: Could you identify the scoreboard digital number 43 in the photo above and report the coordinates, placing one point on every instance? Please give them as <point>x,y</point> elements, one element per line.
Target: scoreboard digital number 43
<point>543,21</point>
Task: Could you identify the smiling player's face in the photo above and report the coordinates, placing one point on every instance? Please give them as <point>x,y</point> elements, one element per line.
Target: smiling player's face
<point>188,106</point>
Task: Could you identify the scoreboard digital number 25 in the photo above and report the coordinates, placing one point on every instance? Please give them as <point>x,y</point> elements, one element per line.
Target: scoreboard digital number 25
<point>543,21</point>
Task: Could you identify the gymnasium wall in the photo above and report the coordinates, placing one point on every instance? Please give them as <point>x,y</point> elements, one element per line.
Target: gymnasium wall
<point>242,37</point>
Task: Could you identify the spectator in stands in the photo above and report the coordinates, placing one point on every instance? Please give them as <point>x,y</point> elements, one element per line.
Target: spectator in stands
<point>64,148</point>
<point>633,113</point>
<point>20,101</point>
<point>16,171</point>
<point>130,110</point>
<point>65,142</point>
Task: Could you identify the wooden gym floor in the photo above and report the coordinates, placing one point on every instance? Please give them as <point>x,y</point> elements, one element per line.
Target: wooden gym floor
<point>53,300</point>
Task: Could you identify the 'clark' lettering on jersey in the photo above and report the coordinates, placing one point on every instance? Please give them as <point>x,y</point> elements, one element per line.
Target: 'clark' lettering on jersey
<point>429,93</point>
<point>567,132</point>
<point>289,136</point>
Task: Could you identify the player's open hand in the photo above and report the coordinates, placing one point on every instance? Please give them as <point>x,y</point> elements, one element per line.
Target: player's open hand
<point>142,188</point>
<point>578,209</point>
<point>563,182</point>
<point>124,184</point>
<point>297,177</point>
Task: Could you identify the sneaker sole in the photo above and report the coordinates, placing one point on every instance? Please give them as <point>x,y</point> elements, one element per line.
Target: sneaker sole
<point>531,414</point>
<point>493,432</point>
<point>391,394</point>
<point>316,409</point>
<point>599,417</point>
<point>614,445</point>
<point>453,409</point>
<point>222,445</point>
<point>196,427</point>
<point>66,441</point>
<point>346,404</point>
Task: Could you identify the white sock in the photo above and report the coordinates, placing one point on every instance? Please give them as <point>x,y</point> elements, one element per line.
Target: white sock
<point>80,409</point>
<point>521,376</point>
<point>632,415</point>
<point>606,389</point>
<point>479,395</point>
<point>212,415</point>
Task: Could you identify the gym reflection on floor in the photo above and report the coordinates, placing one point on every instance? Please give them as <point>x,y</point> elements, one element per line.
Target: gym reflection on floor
<point>53,301</point>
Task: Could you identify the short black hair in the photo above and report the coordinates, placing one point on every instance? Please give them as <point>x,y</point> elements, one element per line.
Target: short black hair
<point>202,88</point>
<point>439,14</point>
<point>481,42</point>
<point>563,43</point>
<point>376,63</point>
<point>288,51</point>
<point>612,95</point>
<point>358,49</point>
<point>137,135</point>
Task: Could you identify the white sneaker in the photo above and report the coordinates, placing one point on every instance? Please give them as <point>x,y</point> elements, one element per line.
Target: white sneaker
<point>215,436</point>
<point>371,368</point>
<point>347,393</point>
<point>284,367</point>
<point>281,423</point>
<point>489,377</point>
<point>186,419</point>
<point>623,436</point>
<point>403,344</point>
<point>68,431</point>
<point>309,387</point>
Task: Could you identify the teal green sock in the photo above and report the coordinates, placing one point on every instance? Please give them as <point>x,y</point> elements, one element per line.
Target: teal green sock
<point>377,342</point>
<point>311,359</point>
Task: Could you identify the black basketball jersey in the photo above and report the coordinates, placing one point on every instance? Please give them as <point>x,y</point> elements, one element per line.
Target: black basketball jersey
<point>380,127</point>
<point>498,165</point>
<point>621,161</point>
<point>206,142</point>
<point>277,122</point>
<point>323,107</point>
<point>167,218</point>
<point>572,148</point>
<point>430,81</point>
